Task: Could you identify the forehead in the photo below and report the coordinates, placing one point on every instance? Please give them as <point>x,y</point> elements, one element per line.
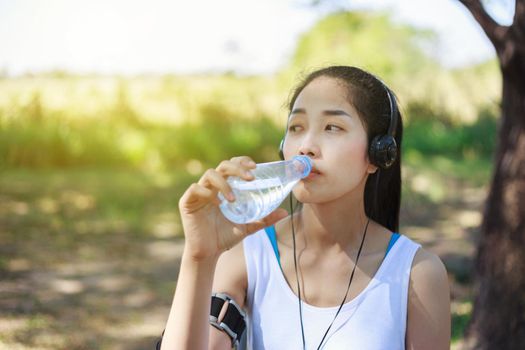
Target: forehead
<point>325,93</point>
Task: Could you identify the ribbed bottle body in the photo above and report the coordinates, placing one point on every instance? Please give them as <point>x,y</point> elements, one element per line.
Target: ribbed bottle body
<point>257,198</point>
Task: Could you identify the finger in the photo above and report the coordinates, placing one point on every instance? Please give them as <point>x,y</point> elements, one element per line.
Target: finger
<point>244,160</point>
<point>195,194</point>
<point>216,182</point>
<point>269,220</point>
<point>230,168</point>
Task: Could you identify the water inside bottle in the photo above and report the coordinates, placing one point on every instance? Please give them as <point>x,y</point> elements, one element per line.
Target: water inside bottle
<point>255,199</point>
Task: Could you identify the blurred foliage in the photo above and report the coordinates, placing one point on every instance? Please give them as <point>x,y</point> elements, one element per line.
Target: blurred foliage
<point>461,315</point>
<point>435,133</point>
<point>217,135</point>
<point>150,123</point>
<point>188,123</point>
<point>122,138</point>
<point>368,40</point>
<point>402,56</point>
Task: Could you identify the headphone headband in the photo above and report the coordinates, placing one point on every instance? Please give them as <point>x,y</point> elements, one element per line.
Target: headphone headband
<point>393,113</point>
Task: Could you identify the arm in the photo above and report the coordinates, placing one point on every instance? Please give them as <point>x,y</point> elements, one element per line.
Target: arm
<point>187,325</point>
<point>208,234</point>
<point>428,325</point>
<point>192,300</point>
<point>230,278</point>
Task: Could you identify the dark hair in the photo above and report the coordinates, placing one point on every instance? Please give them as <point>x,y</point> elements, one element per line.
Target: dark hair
<point>369,96</point>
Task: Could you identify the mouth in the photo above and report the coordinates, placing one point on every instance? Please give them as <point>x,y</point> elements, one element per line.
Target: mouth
<point>313,173</point>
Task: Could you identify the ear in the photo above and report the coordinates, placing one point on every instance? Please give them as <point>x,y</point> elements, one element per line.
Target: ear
<point>371,168</point>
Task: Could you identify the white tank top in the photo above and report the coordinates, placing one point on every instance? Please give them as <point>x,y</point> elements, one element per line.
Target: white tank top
<point>373,320</point>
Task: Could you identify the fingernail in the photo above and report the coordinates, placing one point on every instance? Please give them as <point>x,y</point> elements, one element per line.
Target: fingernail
<point>251,163</point>
<point>231,196</point>
<point>248,173</point>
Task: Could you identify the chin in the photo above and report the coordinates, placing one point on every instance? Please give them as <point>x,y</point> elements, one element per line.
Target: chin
<point>320,195</point>
<point>306,196</point>
<point>301,194</point>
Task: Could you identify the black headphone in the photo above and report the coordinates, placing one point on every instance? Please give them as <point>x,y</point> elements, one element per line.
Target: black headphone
<point>383,148</point>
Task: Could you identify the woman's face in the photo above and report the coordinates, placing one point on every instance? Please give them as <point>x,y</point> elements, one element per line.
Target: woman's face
<point>326,127</point>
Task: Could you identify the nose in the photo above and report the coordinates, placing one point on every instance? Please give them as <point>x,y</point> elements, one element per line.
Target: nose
<point>309,148</point>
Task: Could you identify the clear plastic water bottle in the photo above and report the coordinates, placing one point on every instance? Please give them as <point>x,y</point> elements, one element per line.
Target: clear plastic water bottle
<point>272,183</point>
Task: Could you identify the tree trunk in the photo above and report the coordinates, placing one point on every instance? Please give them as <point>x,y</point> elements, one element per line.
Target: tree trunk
<point>498,319</point>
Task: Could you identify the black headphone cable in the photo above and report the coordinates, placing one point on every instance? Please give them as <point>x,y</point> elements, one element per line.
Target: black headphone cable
<point>296,275</point>
<point>298,284</point>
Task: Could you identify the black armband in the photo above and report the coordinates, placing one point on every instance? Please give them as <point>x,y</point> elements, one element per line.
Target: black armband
<point>233,323</point>
<point>159,342</point>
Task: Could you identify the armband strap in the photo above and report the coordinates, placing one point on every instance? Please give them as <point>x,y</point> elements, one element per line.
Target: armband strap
<point>159,342</point>
<point>233,323</point>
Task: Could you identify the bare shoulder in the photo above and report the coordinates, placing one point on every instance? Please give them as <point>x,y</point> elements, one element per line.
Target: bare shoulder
<point>230,274</point>
<point>428,278</point>
<point>428,303</point>
<point>427,267</point>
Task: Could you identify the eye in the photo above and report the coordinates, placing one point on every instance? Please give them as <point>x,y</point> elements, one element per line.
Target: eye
<point>332,127</point>
<point>294,128</point>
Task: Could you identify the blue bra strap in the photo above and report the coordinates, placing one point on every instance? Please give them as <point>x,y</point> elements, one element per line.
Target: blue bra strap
<point>272,236</point>
<point>393,240</point>
<point>270,232</point>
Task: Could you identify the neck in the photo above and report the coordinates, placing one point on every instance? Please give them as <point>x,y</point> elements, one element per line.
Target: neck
<point>337,223</point>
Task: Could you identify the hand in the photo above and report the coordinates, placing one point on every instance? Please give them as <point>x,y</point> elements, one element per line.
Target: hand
<point>208,233</point>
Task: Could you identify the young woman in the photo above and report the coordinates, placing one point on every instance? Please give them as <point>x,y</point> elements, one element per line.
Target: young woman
<point>332,275</point>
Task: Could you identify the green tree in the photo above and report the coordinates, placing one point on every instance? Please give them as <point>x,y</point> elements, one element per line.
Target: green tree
<point>368,40</point>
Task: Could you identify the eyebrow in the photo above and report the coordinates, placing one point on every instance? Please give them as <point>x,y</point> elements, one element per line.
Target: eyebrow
<point>327,112</point>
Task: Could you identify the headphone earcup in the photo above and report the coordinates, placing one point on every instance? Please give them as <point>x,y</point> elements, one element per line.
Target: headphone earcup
<point>281,154</point>
<point>383,151</point>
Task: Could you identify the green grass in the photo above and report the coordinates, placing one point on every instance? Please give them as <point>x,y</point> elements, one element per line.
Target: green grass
<point>460,319</point>
<point>475,171</point>
<point>63,211</point>
<point>459,325</point>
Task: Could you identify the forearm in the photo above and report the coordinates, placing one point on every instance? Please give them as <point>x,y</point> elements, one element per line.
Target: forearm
<point>187,326</point>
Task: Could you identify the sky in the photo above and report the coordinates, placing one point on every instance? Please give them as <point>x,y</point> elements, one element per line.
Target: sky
<point>203,36</point>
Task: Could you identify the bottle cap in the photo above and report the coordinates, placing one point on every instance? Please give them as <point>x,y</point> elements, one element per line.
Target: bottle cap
<point>304,165</point>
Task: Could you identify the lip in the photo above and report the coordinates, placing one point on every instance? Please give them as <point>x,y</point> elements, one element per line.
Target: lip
<point>313,174</point>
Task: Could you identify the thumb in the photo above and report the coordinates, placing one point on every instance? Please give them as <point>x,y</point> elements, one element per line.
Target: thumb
<point>269,220</point>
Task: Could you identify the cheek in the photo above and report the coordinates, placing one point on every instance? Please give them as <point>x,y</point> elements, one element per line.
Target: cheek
<point>355,153</point>
<point>351,164</point>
